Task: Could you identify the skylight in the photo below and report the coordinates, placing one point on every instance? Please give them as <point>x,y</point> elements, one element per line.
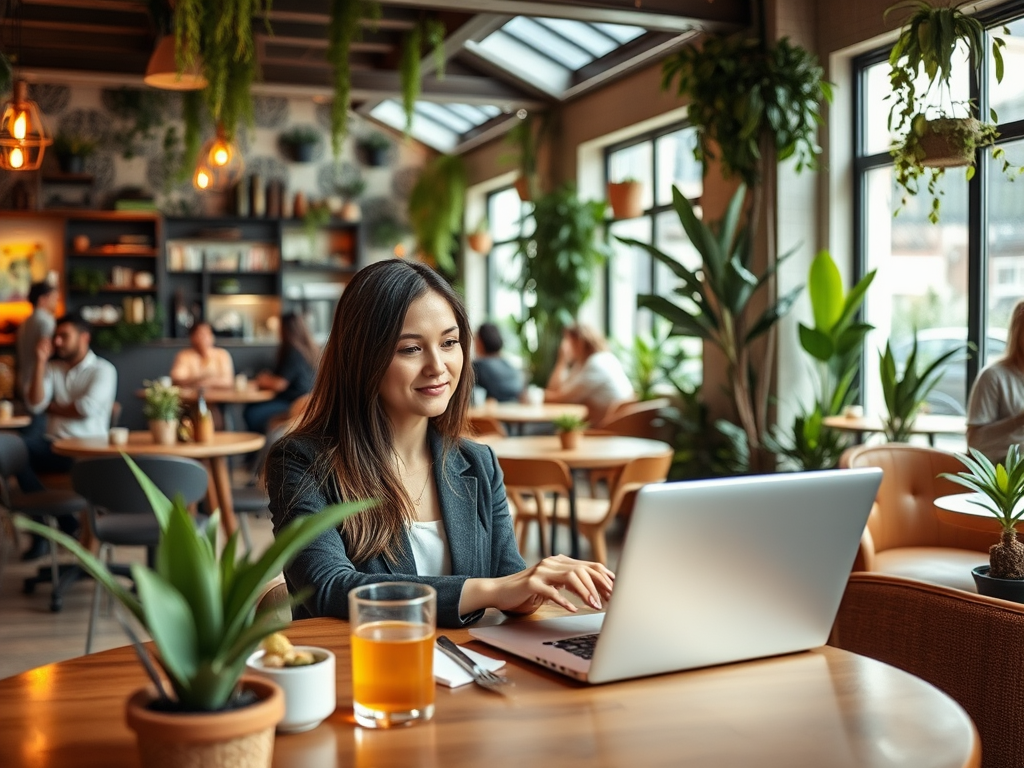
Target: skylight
<point>441,126</point>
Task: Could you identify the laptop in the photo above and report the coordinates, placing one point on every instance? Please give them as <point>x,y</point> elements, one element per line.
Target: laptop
<point>712,572</point>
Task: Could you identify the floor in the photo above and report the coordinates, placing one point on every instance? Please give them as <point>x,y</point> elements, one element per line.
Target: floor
<point>31,635</point>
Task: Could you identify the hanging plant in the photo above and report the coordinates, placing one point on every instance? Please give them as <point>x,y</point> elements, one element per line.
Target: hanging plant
<point>436,207</point>
<point>218,38</point>
<point>343,28</point>
<point>433,32</point>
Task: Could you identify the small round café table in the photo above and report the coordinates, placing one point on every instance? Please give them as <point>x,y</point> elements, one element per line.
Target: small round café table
<point>593,452</point>
<point>961,510</point>
<point>221,395</point>
<point>823,707</point>
<point>924,424</point>
<point>516,414</point>
<point>214,454</point>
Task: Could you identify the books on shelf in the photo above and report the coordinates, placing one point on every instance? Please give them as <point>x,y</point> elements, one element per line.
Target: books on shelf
<point>190,256</point>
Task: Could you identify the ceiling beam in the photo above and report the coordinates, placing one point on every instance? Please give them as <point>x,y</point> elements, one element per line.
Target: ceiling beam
<point>665,15</point>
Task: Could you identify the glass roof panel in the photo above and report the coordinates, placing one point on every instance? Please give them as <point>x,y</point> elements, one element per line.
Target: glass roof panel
<point>549,43</point>
<point>524,62</point>
<point>620,32</point>
<point>424,129</point>
<point>446,117</point>
<point>586,36</point>
<point>477,115</point>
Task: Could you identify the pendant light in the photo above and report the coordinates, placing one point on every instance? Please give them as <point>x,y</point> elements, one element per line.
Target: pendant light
<point>220,164</point>
<point>23,135</point>
<point>162,70</point>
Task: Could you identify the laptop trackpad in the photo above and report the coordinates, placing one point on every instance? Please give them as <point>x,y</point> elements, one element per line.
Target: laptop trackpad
<point>533,639</point>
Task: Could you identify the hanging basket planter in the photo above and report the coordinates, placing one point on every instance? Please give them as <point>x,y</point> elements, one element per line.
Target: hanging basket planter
<point>626,199</point>
<point>949,142</point>
<point>480,242</point>
<point>522,186</point>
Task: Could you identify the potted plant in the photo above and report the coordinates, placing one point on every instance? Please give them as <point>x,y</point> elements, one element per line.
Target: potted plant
<point>436,206</point>
<point>626,198</point>
<point>904,395</point>
<point>480,239</point>
<point>302,142</point>
<point>350,190</point>
<point>1002,487</point>
<point>569,428</point>
<point>934,131</point>
<point>161,408</point>
<point>374,148</point>
<point>525,136</point>
<point>200,609</point>
<point>72,151</point>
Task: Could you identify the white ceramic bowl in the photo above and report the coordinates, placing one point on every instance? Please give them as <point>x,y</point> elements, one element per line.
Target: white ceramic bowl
<point>309,691</point>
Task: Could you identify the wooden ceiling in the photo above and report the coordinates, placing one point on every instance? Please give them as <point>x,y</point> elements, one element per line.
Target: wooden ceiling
<point>110,41</point>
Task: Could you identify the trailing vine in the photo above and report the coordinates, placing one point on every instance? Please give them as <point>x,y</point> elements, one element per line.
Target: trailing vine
<point>343,28</point>
<point>433,32</point>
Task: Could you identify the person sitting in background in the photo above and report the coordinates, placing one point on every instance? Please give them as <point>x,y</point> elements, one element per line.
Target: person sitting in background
<point>494,373</point>
<point>203,364</point>
<point>292,377</point>
<point>587,372</point>
<point>995,411</point>
<point>77,392</point>
<point>39,325</point>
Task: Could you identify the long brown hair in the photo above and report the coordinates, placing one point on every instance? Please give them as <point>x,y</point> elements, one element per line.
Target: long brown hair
<point>295,335</point>
<point>1014,356</point>
<point>345,414</point>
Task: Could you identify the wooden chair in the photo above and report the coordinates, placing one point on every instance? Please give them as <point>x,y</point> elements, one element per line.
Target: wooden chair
<point>641,420</point>
<point>904,535</point>
<point>964,644</point>
<point>528,482</point>
<point>274,597</point>
<point>593,516</point>
<point>478,426</point>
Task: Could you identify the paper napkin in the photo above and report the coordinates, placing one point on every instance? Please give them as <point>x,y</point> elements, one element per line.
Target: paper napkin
<point>447,672</point>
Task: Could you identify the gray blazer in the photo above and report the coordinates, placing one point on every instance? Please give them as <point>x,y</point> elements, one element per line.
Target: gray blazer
<point>474,509</point>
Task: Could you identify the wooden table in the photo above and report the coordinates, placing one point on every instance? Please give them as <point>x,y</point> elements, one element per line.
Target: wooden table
<point>15,422</point>
<point>925,424</point>
<point>823,708</point>
<point>593,452</point>
<point>214,454</point>
<point>958,509</point>
<point>517,414</point>
<point>222,395</point>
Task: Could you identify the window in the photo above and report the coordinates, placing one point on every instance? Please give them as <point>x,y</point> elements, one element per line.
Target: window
<point>505,303</point>
<point>658,160</point>
<point>954,281</point>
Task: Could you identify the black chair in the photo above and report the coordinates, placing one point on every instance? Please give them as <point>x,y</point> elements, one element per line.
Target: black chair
<point>119,512</point>
<point>48,504</point>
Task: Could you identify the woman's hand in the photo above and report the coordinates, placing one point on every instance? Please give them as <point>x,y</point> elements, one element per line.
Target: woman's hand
<point>526,591</point>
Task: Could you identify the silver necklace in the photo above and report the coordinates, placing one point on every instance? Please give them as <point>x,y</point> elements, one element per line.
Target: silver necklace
<point>426,480</point>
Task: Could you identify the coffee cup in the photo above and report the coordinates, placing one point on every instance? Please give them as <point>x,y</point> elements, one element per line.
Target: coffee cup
<point>118,435</point>
<point>241,382</point>
<point>535,395</point>
<point>165,381</point>
<point>6,409</point>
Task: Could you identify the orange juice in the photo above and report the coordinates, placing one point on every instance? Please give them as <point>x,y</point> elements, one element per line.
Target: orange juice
<point>393,666</point>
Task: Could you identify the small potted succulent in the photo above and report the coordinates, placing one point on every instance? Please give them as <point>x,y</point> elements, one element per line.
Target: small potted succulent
<point>200,609</point>
<point>302,142</point>
<point>1002,489</point>
<point>626,198</point>
<point>162,406</point>
<point>569,428</point>
<point>374,148</point>
<point>71,151</point>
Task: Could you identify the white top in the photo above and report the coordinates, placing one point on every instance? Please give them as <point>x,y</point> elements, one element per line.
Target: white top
<point>91,386</point>
<point>430,549</point>
<point>997,397</point>
<point>598,383</point>
<point>216,370</point>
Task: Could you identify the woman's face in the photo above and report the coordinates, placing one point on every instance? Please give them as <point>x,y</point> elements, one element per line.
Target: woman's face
<point>427,362</point>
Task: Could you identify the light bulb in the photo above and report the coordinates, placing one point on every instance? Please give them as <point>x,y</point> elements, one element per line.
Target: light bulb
<point>17,158</point>
<point>220,155</point>
<point>20,127</point>
<point>202,179</point>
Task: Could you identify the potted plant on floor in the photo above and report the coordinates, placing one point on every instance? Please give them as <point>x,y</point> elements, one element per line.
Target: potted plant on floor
<point>162,406</point>
<point>905,395</point>
<point>934,131</point>
<point>302,142</point>
<point>569,429</point>
<point>200,609</point>
<point>1002,489</point>
<point>626,198</point>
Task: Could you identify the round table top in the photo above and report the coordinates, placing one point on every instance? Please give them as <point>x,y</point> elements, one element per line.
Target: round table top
<point>523,413</point>
<point>15,422</point>
<point>593,451</point>
<point>222,395</point>
<point>961,510</point>
<point>924,424</point>
<point>141,443</point>
<point>825,707</point>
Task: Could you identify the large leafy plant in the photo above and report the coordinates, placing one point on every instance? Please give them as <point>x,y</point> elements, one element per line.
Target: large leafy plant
<point>436,206</point>
<point>717,303</point>
<point>905,394</point>
<point>557,257</point>
<point>200,607</point>
<point>1002,485</point>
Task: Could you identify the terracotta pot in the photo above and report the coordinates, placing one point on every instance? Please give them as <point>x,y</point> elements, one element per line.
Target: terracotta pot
<point>350,211</point>
<point>164,432</point>
<point>522,186</point>
<point>942,142</point>
<point>570,440</point>
<point>481,242</point>
<point>239,738</point>
<point>625,199</point>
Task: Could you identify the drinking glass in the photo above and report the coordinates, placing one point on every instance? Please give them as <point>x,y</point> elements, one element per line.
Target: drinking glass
<point>392,653</point>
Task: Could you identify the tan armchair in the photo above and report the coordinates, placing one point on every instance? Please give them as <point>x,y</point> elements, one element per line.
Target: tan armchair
<point>966,645</point>
<point>904,535</point>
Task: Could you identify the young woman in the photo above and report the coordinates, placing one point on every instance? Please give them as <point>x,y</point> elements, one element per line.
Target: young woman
<point>995,413</point>
<point>587,372</point>
<point>384,422</point>
<point>293,374</point>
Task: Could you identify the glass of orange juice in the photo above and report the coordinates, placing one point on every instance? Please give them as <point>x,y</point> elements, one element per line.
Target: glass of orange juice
<point>392,653</point>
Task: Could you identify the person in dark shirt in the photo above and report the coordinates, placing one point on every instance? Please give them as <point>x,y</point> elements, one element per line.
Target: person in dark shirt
<point>493,372</point>
<point>292,377</point>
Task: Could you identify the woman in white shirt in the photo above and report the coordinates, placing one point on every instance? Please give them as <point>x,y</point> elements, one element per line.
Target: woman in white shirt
<point>995,413</point>
<point>587,372</point>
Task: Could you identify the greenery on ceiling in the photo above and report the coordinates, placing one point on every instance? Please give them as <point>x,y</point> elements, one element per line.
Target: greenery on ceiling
<point>344,27</point>
<point>432,32</point>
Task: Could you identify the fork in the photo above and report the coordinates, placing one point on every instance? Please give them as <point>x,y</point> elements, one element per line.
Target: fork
<point>483,677</point>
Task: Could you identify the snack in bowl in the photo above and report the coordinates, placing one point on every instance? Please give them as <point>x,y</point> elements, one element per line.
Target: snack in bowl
<point>278,652</point>
<point>306,675</point>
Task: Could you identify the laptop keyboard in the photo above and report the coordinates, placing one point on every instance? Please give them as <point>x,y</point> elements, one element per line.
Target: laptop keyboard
<point>582,646</point>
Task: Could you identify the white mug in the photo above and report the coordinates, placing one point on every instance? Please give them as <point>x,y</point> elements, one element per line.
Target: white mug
<point>534,395</point>
<point>118,436</point>
<point>309,693</point>
<point>165,381</point>
<point>6,409</point>
<point>241,382</point>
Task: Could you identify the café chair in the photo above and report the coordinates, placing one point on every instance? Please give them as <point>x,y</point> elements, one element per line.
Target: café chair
<point>479,426</point>
<point>904,535</point>
<point>120,515</point>
<point>964,644</point>
<point>47,504</point>
<point>275,598</point>
<point>528,483</point>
